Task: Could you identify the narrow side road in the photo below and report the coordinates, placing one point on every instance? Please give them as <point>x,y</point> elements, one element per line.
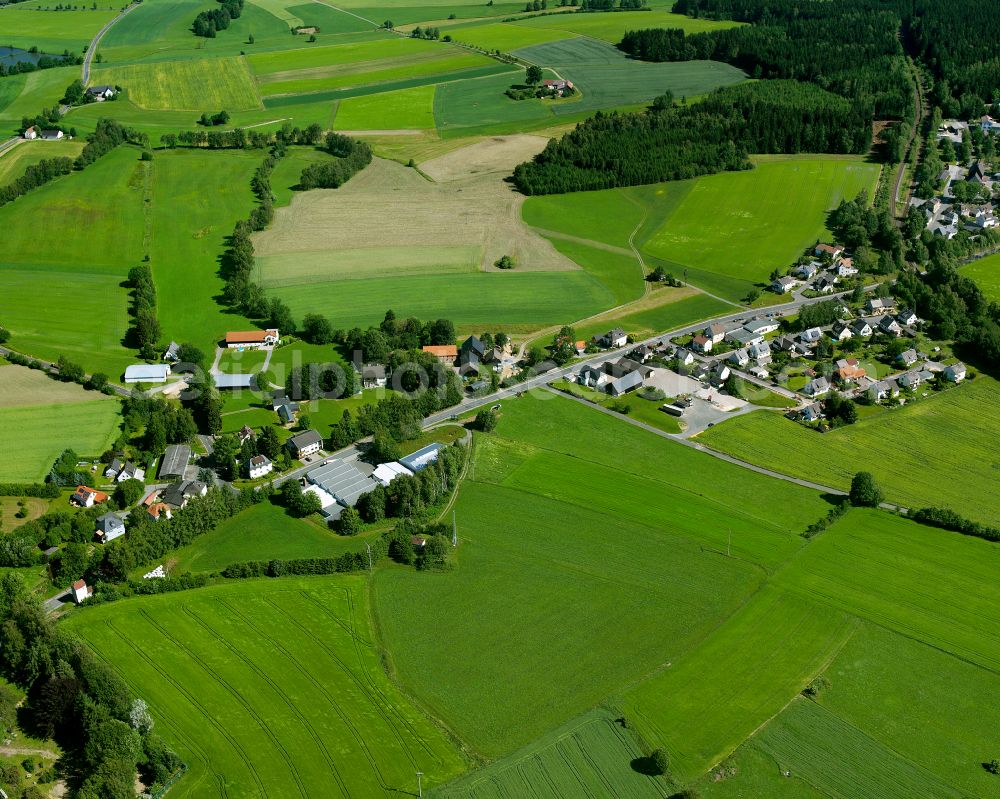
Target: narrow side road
<point>88,57</point>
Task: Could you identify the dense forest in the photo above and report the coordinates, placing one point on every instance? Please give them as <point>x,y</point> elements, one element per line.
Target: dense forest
<point>673,143</point>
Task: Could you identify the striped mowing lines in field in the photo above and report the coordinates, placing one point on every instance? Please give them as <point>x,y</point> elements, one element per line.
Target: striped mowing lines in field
<point>272,689</point>
<point>279,8</point>
<point>186,85</point>
<point>710,700</point>
<point>840,760</point>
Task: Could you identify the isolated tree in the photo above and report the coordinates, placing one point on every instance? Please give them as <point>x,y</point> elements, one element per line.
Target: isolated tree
<point>486,420</point>
<point>349,522</point>
<point>659,761</point>
<point>533,75</point>
<point>865,491</point>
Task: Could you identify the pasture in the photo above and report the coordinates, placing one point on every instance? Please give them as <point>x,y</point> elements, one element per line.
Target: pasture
<point>986,273</point>
<point>741,225</point>
<point>188,85</point>
<point>911,450</point>
<point>33,24</point>
<point>744,672</point>
<point>428,243</point>
<point>262,532</point>
<point>41,417</point>
<point>600,571</point>
<point>570,761</point>
<point>14,161</point>
<point>290,697</point>
<point>504,37</point>
<point>607,78</point>
<point>37,90</point>
<point>611,27</point>
<point>98,214</point>
<point>405,109</point>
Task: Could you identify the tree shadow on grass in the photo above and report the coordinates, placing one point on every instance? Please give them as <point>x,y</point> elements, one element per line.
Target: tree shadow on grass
<point>645,765</point>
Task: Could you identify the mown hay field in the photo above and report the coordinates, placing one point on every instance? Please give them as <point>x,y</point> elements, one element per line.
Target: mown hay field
<point>36,24</point>
<point>597,561</point>
<point>41,417</point>
<point>271,689</point>
<point>189,85</point>
<point>742,225</point>
<point>913,451</point>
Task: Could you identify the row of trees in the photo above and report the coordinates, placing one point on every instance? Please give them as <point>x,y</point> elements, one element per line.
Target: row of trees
<point>145,332</point>
<point>77,700</point>
<point>240,139</point>
<point>106,136</point>
<point>207,23</point>
<point>667,143</point>
<point>352,155</point>
<point>44,62</point>
<point>46,170</point>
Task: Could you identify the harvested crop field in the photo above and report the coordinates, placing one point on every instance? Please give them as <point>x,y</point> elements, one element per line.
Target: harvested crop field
<point>495,154</point>
<point>191,85</point>
<point>393,206</point>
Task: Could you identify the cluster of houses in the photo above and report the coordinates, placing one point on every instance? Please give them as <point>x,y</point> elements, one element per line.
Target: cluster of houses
<point>44,134</point>
<point>820,276</point>
<point>339,484</point>
<point>946,216</point>
<point>161,504</point>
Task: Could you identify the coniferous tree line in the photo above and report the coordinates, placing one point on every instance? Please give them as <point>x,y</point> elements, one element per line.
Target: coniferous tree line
<point>207,23</point>
<point>674,143</point>
<point>145,331</point>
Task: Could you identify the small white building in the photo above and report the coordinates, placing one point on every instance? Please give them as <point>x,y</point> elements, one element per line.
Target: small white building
<point>147,373</point>
<point>30,133</point>
<point>259,466</point>
<point>80,591</point>
<point>955,373</point>
<point>812,335</point>
<point>385,473</point>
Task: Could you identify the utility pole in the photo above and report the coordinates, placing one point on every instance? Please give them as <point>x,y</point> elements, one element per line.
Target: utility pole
<point>420,787</point>
<point>369,548</point>
<point>454,529</point>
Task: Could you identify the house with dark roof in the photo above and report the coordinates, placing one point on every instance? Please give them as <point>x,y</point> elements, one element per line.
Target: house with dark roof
<point>811,413</point>
<point>287,412</point>
<point>173,352</point>
<point>473,349</point>
<point>109,527</point>
<point>101,93</point>
<point>817,387</point>
<point>614,338</point>
<point>177,495</point>
<point>373,376</point>
<point>130,472</point>
<point>175,461</point>
<point>625,383</point>
<point>245,434</point>
<point>304,444</point>
<point>907,357</point>
<point>260,466</point>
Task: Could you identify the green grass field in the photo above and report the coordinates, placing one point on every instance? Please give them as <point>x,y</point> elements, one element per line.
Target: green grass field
<point>609,216</point>
<point>504,37</point>
<point>590,754</point>
<point>37,90</point>
<point>40,418</point>
<point>910,450</point>
<point>14,161</point>
<point>271,689</point>
<point>98,213</point>
<point>741,225</point>
<point>190,85</point>
<point>197,198</point>
<point>607,510</point>
<point>611,27</point>
<point>263,532</point>
<point>986,272</point>
<point>406,109</point>
<point>36,25</point>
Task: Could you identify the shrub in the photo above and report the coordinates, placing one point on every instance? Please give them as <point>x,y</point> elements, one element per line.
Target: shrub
<point>865,492</point>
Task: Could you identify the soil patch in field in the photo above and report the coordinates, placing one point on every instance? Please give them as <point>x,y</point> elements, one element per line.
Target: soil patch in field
<point>495,154</point>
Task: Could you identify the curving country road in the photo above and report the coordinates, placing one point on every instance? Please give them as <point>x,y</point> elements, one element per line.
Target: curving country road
<point>88,56</point>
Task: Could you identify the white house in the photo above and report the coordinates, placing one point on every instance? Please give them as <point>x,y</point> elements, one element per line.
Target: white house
<point>30,133</point>
<point>817,387</point>
<point>812,335</point>
<point>684,357</point>
<point>109,527</point>
<point>716,332</point>
<point>80,592</point>
<point>304,444</point>
<point>907,317</point>
<point>861,327</point>
<point>760,352</point>
<point>739,358</point>
<point>841,331</point>
<point>955,373</point>
<point>812,412</point>
<point>889,326</point>
<point>614,338</point>
<point>52,135</point>
<point>807,271</point>
<point>101,93</point>
<point>702,344</point>
<point>846,268</point>
<point>130,472</point>
<point>260,465</point>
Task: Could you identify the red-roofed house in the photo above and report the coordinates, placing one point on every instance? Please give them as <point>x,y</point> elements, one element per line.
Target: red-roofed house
<point>80,591</point>
<point>445,353</point>
<point>87,497</point>
<point>252,339</point>
<point>701,343</point>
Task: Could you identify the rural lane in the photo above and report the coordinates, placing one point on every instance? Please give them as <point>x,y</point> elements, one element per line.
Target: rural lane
<point>88,56</point>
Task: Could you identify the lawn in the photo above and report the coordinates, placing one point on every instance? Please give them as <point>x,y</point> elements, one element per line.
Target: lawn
<point>913,451</point>
<point>206,84</point>
<point>569,761</point>
<point>708,701</point>
<point>14,161</point>
<point>406,109</point>
<point>591,613</point>
<point>986,273</point>
<point>40,418</point>
<point>38,90</point>
<point>609,216</point>
<point>741,225</point>
<point>197,198</point>
<point>79,272</point>
<point>28,25</point>
<point>271,688</point>
<point>263,532</point>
